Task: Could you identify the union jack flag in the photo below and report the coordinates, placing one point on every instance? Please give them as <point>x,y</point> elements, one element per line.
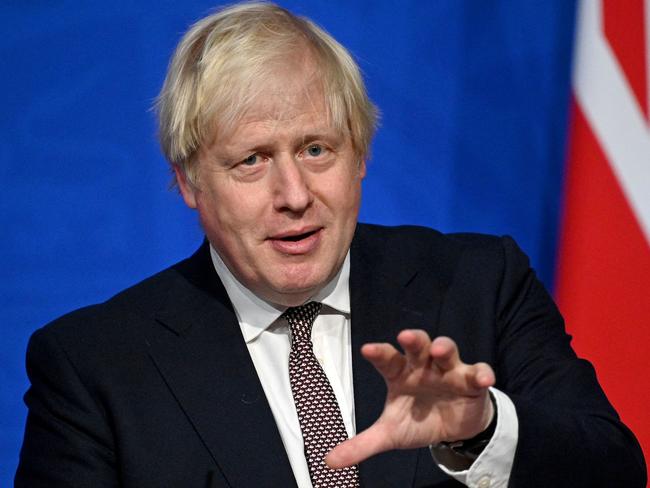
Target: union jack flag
<point>604,262</point>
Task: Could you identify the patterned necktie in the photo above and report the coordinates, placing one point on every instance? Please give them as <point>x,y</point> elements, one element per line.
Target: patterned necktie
<point>318,411</point>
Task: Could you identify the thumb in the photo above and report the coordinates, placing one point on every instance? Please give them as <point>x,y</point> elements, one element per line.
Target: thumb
<point>371,441</point>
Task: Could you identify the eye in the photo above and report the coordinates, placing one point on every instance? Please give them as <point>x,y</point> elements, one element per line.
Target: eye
<point>250,160</point>
<point>315,150</point>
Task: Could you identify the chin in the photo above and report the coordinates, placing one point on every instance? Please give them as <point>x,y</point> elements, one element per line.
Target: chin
<point>292,293</point>
<point>308,288</point>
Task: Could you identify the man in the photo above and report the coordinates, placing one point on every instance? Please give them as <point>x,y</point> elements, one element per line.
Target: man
<point>247,363</point>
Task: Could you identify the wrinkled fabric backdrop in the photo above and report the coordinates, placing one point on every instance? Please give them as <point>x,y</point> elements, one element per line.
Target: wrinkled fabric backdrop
<point>473,95</point>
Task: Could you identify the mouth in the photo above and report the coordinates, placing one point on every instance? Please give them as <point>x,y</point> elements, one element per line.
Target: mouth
<point>295,242</point>
<point>298,237</point>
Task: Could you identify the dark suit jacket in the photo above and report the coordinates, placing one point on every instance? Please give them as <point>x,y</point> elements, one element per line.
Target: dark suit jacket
<point>155,387</point>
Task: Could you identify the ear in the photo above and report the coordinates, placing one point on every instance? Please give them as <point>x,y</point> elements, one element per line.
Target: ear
<point>187,189</point>
<point>362,169</point>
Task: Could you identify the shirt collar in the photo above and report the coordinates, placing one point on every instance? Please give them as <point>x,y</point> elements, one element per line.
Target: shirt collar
<point>256,315</point>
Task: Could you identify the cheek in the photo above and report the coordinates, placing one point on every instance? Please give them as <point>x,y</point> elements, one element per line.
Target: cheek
<point>233,214</point>
<point>348,194</point>
<point>340,190</point>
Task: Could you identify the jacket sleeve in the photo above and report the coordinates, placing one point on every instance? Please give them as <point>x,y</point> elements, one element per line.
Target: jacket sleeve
<point>67,440</point>
<point>569,434</point>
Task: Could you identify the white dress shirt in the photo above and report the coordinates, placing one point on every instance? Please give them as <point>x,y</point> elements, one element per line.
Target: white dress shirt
<point>267,337</point>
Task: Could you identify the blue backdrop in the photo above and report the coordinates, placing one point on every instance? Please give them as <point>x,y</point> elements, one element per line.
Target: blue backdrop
<point>473,96</point>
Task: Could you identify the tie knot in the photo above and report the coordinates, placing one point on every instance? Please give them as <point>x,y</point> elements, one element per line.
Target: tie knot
<point>301,319</point>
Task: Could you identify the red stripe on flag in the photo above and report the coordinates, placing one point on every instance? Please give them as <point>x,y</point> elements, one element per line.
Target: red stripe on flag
<point>624,29</point>
<point>604,279</point>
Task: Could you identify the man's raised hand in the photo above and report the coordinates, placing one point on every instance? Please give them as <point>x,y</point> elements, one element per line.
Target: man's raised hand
<point>432,396</point>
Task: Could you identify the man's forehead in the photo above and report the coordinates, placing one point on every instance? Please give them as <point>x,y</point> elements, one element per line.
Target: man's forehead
<point>278,105</point>
<point>286,107</point>
<point>285,128</point>
<point>268,125</point>
<point>286,93</point>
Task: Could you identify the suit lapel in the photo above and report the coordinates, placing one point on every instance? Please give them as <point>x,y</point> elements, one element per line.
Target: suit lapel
<point>199,350</point>
<point>387,295</point>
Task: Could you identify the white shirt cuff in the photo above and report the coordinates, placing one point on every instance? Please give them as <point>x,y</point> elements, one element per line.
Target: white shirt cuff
<point>492,468</point>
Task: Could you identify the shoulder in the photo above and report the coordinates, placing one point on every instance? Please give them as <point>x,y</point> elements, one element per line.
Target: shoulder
<point>471,259</point>
<point>413,240</point>
<point>419,235</point>
<point>125,314</point>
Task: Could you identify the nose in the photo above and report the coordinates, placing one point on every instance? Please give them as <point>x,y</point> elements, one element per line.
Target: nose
<point>291,189</point>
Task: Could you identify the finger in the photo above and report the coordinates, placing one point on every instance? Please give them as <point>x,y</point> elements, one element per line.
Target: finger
<point>444,353</point>
<point>416,344</point>
<point>481,376</point>
<point>359,448</point>
<point>385,358</point>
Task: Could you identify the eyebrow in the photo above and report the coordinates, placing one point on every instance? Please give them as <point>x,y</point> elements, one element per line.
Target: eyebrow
<point>326,133</point>
<point>332,136</point>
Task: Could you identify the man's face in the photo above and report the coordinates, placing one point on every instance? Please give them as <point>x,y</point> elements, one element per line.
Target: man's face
<point>278,196</point>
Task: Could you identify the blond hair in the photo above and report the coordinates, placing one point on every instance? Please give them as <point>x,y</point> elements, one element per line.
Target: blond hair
<point>212,77</point>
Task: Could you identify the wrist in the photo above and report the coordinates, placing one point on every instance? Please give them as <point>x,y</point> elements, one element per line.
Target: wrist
<point>471,449</point>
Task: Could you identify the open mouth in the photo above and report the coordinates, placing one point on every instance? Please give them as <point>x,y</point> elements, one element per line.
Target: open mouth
<point>296,242</point>
<point>298,237</point>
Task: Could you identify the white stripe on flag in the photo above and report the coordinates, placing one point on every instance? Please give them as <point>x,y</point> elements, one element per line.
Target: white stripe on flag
<point>612,110</point>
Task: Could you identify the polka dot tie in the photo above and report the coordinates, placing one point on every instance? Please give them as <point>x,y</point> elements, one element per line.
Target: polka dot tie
<point>318,411</point>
